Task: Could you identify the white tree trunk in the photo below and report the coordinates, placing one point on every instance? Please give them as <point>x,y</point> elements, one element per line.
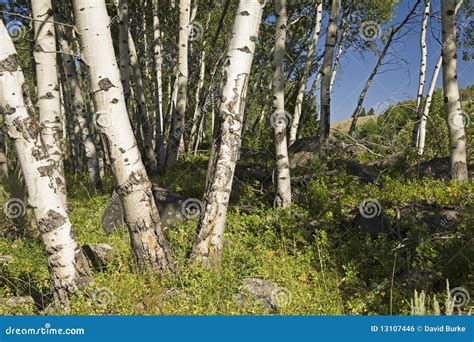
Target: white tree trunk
<point>344,29</point>
<point>145,122</point>
<point>429,97</point>
<point>307,67</point>
<point>422,78</point>
<point>79,107</point>
<point>207,246</point>
<point>452,103</point>
<point>426,110</point>
<point>178,119</point>
<point>279,119</point>
<point>49,104</point>
<point>66,263</point>
<point>326,72</point>
<point>124,57</point>
<point>148,241</point>
<point>158,59</point>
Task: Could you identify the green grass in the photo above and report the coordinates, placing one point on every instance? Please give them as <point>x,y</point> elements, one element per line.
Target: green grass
<point>307,252</point>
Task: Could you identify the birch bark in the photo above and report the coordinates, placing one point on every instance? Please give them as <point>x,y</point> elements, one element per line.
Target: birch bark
<point>307,67</point>
<point>67,266</point>
<point>279,119</point>
<point>178,120</point>
<point>326,72</point>
<point>207,246</point>
<point>452,102</point>
<point>149,244</point>
<point>49,104</point>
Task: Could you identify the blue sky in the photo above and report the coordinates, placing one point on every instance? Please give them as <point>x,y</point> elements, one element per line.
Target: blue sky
<point>398,83</point>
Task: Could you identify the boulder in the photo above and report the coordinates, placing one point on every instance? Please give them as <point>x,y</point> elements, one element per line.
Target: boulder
<point>437,168</point>
<point>168,202</point>
<point>265,293</point>
<point>5,258</point>
<point>99,255</point>
<point>16,301</point>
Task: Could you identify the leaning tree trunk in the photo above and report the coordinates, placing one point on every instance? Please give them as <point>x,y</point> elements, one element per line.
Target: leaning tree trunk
<point>79,106</point>
<point>207,246</point>
<point>421,82</point>
<point>452,102</point>
<point>158,59</point>
<point>393,32</point>
<point>426,111</point>
<point>279,118</point>
<point>344,29</point>
<point>49,103</point>
<point>326,72</point>
<point>178,124</point>
<point>306,69</point>
<point>66,263</point>
<point>145,122</point>
<point>148,241</point>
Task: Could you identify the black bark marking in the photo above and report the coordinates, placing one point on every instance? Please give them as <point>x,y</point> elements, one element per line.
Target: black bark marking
<point>10,64</point>
<point>46,171</point>
<point>9,110</point>
<point>245,49</point>
<point>47,96</point>
<point>52,221</point>
<point>105,84</point>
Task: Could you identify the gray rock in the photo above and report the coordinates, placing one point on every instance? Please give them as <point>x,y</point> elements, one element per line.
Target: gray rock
<point>5,258</point>
<point>168,202</point>
<point>16,301</point>
<point>99,255</point>
<point>265,293</point>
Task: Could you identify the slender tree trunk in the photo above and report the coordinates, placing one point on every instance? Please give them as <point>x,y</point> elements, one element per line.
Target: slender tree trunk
<point>48,90</point>
<point>452,102</point>
<point>124,54</point>
<point>426,110</point>
<point>326,71</point>
<point>424,118</point>
<point>279,119</point>
<point>382,55</point>
<point>421,83</point>
<point>3,154</point>
<point>79,107</point>
<point>178,120</point>
<point>207,246</point>
<point>343,32</point>
<point>149,244</point>
<point>66,263</point>
<point>306,69</point>
<point>158,59</point>
<point>197,110</point>
<point>145,122</point>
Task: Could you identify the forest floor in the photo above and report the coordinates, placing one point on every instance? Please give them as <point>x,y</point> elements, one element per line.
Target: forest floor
<point>324,258</point>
